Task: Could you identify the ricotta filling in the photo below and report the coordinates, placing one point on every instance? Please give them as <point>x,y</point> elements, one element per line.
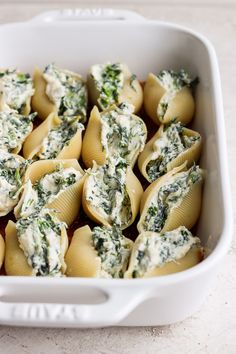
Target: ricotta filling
<point>12,170</point>
<point>122,134</point>
<point>155,250</point>
<point>14,128</point>
<point>39,237</point>
<point>170,145</point>
<point>47,189</point>
<point>15,88</point>
<point>113,249</point>
<point>109,81</point>
<point>172,82</point>
<point>106,192</point>
<point>59,137</point>
<point>169,196</point>
<point>67,91</point>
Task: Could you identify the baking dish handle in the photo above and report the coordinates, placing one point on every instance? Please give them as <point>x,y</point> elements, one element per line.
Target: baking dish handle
<point>113,310</point>
<point>87,14</point>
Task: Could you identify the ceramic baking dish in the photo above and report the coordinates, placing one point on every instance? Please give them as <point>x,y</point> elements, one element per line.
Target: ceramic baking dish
<point>76,39</point>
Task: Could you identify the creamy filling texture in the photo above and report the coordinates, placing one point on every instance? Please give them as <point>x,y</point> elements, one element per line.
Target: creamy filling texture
<point>107,194</point>
<point>113,249</point>
<point>14,128</point>
<point>169,196</point>
<point>170,145</point>
<point>122,134</point>
<point>59,137</point>
<point>155,250</point>
<point>39,237</point>
<point>109,81</point>
<point>15,89</point>
<point>48,188</point>
<point>12,170</point>
<point>67,91</point>
<point>172,82</point>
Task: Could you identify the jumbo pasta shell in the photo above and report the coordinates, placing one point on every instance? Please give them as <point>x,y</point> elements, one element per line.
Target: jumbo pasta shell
<point>190,155</point>
<point>15,260</point>
<point>181,107</point>
<point>186,213</point>
<point>2,250</point>
<point>92,149</point>
<point>131,92</point>
<point>134,191</point>
<point>40,101</point>
<point>191,258</point>
<point>34,141</point>
<point>81,258</point>
<point>68,202</point>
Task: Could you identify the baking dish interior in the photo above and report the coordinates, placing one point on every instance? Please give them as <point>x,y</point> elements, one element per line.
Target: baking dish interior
<point>145,48</point>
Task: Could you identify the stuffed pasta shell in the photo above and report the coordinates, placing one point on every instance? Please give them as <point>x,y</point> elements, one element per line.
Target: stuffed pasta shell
<point>36,245</point>
<point>12,170</point>
<point>2,250</point>
<point>172,201</point>
<point>14,129</point>
<point>156,254</point>
<point>56,137</point>
<point>170,147</point>
<point>113,83</point>
<point>60,91</point>
<point>102,252</point>
<point>111,194</point>
<point>168,95</point>
<point>54,184</point>
<point>113,133</point>
<point>16,90</point>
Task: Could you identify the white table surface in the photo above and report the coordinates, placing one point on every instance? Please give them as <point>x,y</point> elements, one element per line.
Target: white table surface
<point>212,329</point>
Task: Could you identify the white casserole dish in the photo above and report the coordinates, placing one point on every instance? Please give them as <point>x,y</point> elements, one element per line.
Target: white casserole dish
<point>75,39</point>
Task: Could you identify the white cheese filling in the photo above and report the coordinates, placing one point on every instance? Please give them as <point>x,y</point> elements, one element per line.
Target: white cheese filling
<point>113,249</point>
<point>40,239</point>
<point>16,88</point>
<point>14,128</point>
